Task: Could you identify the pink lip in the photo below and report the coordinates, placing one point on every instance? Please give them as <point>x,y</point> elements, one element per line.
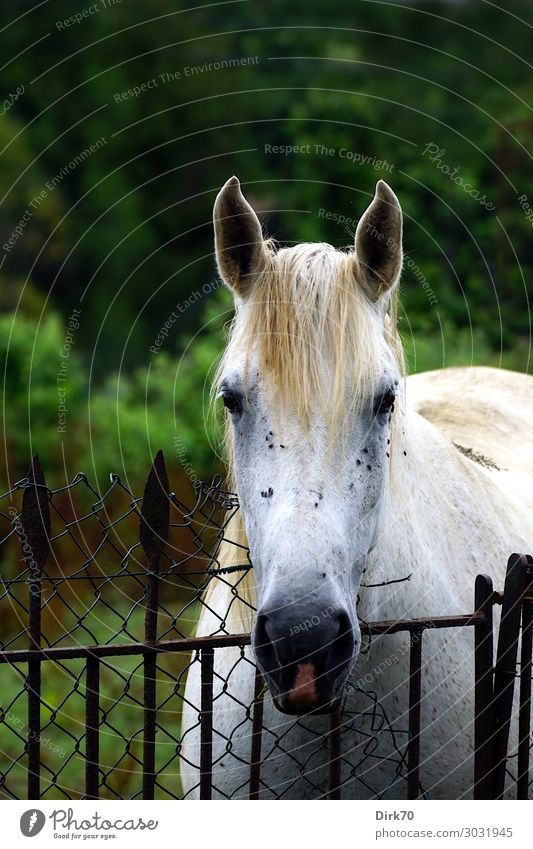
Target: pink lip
<point>304,691</point>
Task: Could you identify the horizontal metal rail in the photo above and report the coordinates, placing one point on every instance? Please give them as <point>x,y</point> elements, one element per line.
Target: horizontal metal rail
<point>121,649</point>
<point>188,644</point>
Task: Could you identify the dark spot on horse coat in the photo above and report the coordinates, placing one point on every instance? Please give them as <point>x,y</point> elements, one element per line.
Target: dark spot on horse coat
<point>268,494</point>
<point>358,462</point>
<point>369,468</point>
<point>482,459</point>
<point>282,446</point>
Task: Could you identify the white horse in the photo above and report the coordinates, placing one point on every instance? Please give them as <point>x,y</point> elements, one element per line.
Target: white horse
<point>349,475</point>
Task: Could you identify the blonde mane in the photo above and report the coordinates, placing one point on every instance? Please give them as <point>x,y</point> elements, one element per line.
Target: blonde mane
<point>320,340</point>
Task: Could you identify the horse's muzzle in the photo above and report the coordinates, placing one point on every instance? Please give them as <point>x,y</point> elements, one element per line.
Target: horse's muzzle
<point>306,662</point>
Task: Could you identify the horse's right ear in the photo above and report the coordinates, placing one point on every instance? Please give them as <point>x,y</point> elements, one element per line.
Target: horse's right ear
<point>238,238</point>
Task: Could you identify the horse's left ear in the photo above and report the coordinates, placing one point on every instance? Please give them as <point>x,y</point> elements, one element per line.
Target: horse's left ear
<point>239,246</point>
<point>378,243</point>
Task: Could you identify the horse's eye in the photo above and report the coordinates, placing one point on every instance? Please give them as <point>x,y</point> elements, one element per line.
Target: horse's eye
<point>385,403</point>
<point>231,401</point>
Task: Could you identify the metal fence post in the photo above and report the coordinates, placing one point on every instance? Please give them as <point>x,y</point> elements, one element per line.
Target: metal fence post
<point>206,724</point>
<point>92,730</point>
<point>415,696</point>
<point>335,773</point>
<point>526,671</point>
<point>35,542</point>
<point>505,669</point>
<point>483,689</point>
<point>257,729</point>
<point>153,534</point>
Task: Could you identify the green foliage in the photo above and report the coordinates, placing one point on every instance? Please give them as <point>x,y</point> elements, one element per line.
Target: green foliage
<point>125,233</point>
<point>31,350</point>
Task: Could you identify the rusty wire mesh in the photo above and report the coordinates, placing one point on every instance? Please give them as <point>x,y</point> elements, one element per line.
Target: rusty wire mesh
<point>80,569</point>
<point>100,554</point>
<point>93,591</point>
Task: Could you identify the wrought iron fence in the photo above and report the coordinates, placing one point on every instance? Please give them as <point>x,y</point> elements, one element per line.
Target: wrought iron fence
<point>97,641</point>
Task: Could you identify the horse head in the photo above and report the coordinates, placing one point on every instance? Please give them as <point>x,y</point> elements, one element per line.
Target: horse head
<point>309,380</point>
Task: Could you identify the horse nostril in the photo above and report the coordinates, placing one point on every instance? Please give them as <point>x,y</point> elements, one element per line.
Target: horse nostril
<point>261,636</point>
<point>344,623</point>
<point>343,646</point>
<point>264,646</point>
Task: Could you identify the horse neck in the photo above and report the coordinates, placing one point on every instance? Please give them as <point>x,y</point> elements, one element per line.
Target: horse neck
<point>441,523</point>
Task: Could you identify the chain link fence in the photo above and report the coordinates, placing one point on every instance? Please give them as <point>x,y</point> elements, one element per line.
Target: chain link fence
<point>99,601</point>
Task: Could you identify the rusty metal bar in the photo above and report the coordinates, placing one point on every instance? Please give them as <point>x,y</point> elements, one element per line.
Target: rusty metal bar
<point>396,625</point>
<point>125,649</point>
<point>257,729</point>
<point>35,521</point>
<point>335,775</point>
<point>505,669</point>
<point>415,695</point>
<point>524,715</point>
<point>92,723</point>
<point>206,724</point>
<point>150,695</point>
<point>483,689</point>
<point>34,727</point>
<point>153,534</point>
<point>223,641</point>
